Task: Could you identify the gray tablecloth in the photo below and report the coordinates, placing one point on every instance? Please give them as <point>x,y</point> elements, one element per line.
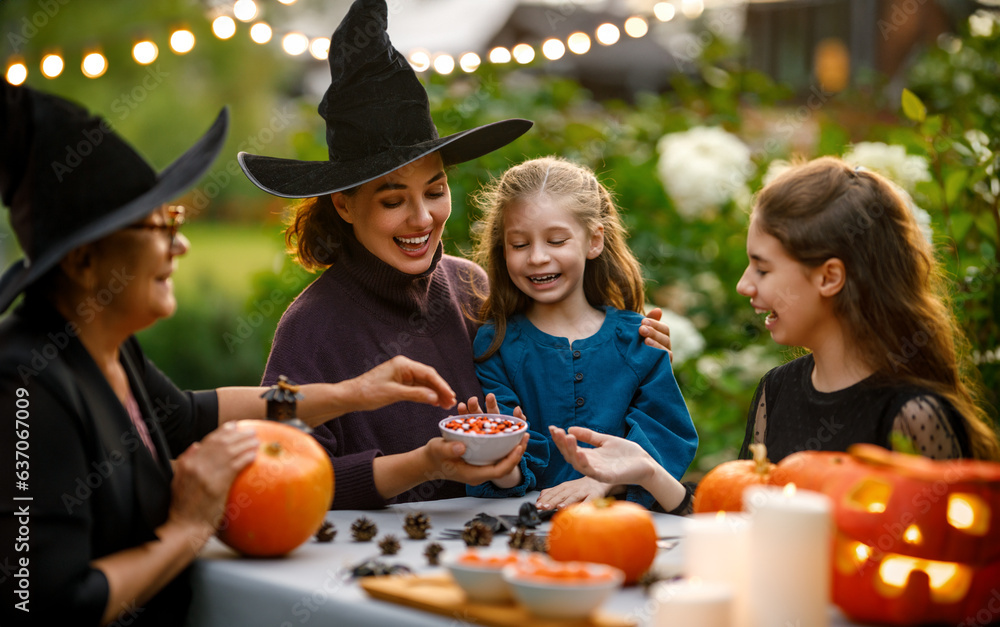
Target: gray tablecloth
<point>313,586</point>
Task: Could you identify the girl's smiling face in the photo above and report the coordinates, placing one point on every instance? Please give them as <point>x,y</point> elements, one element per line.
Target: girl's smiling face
<point>400,217</point>
<point>786,289</point>
<point>546,249</point>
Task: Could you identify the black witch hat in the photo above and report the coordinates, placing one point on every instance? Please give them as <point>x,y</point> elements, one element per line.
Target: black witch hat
<point>68,179</point>
<point>377,117</point>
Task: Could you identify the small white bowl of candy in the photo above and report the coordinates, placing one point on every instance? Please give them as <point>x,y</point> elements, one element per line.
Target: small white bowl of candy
<point>487,437</point>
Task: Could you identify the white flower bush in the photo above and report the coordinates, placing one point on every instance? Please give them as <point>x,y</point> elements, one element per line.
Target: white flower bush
<point>702,168</point>
<point>686,342</point>
<point>891,161</point>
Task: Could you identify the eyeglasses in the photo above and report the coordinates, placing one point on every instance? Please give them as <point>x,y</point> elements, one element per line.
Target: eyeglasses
<point>175,218</point>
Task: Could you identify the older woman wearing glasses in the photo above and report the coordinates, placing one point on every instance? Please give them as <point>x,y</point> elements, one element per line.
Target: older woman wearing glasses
<point>120,477</point>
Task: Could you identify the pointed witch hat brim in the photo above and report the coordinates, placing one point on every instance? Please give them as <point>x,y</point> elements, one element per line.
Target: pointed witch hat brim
<point>290,178</point>
<point>83,210</point>
<point>377,117</point>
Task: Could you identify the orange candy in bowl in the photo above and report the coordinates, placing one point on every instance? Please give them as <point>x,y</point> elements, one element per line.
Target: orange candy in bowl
<point>487,437</point>
<point>478,573</point>
<point>552,589</point>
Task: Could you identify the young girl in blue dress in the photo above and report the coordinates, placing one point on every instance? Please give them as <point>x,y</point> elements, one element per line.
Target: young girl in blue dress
<point>840,267</point>
<point>560,339</point>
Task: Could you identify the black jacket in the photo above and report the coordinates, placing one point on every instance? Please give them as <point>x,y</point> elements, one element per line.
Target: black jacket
<point>68,445</point>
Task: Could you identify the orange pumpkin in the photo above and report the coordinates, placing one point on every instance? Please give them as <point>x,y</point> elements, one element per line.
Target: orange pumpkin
<point>606,531</point>
<point>721,489</point>
<point>810,470</point>
<point>918,540</point>
<point>280,500</point>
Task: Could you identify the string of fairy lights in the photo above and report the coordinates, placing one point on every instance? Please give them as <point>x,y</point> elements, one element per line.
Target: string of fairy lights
<point>227,21</point>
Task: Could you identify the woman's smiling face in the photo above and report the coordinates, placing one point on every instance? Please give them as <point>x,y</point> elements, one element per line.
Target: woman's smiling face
<point>400,217</point>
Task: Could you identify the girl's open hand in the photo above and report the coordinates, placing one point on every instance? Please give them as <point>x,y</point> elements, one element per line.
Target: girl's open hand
<point>569,492</point>
<point>613,461</point>
<point>472,407</point>
<point>656,332</point>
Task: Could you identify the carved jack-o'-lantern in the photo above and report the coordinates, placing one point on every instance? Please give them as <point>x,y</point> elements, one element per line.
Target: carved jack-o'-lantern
<point>918,541</point>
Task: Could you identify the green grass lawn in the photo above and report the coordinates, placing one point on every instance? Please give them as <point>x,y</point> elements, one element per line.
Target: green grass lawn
<point>225,257</point>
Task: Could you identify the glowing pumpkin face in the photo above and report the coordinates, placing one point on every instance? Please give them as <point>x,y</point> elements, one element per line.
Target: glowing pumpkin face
<point>918,541</point>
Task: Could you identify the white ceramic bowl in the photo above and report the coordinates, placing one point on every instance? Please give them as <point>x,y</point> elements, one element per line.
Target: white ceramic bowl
<point>484,449</point>
<point>483,581</point>
<point>552,598</point>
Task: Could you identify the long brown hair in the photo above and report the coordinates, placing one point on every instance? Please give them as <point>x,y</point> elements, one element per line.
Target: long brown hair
<point>612,279</point>
<point>895,302</point>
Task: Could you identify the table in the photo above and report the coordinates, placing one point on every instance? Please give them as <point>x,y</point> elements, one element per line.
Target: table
<point>312,585</point>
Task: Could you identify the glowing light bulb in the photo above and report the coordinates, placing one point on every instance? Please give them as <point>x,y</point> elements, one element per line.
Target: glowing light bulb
<point>692,8</point>
<point>523,53</point>
<point>553,49</point>
<point>470,62</point>
<point>94,65</point>
<point>260,33</point>
<point>145,52</point>
<point>444,64</point>
<point>245,10</point>
<point>52,65</point>
<point>636,27</point>
<point>420,60</point>
<point>295,43</point>
<point>578,43</point>
<point>182,41</point>
<point>17,73</point>
<point>664,11</point>
<point>500,55</point>
<point>320,48</point>
<point>224,27</point>
<point>608,34</point>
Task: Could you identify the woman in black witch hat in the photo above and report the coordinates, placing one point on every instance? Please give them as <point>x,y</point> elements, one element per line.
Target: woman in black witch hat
<point>98,522</point>
<point>374,215</point>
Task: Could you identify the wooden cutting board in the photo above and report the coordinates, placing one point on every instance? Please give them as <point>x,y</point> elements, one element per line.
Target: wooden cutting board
<point>441,595</point>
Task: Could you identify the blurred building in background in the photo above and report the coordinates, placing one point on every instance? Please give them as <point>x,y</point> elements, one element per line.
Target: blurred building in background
<point>801,43</point>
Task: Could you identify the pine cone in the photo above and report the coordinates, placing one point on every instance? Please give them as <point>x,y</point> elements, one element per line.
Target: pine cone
<point>326,532</point>
<point>389,545</point>
<point>477,533</point>
<point>417,525</point>
<point>523,540</point>
<point>433,552</point>
<point>363,529</point>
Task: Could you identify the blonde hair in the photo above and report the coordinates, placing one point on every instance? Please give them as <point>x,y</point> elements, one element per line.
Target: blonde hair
<point>613,278</point>
<point>894,297</point>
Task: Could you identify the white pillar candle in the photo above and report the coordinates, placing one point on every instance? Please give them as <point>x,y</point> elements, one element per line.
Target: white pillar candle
<point>717,550</point>
<point>692,602</point>
<point>789,569</point>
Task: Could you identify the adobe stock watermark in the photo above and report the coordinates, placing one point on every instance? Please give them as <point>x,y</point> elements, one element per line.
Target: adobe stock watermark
<point>901,13</point>
<point>129,101</point>
<point>102,470</point>
<point>308,605</point>
<point>363,36</point>
<point>91,138</point>
<point>245,327</point>
<point>87,310</point>
<point>30,25</point>
<point>280,119</point>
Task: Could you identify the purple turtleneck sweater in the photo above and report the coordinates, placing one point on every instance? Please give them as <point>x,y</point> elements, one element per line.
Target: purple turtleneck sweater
<point>359,313</point>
